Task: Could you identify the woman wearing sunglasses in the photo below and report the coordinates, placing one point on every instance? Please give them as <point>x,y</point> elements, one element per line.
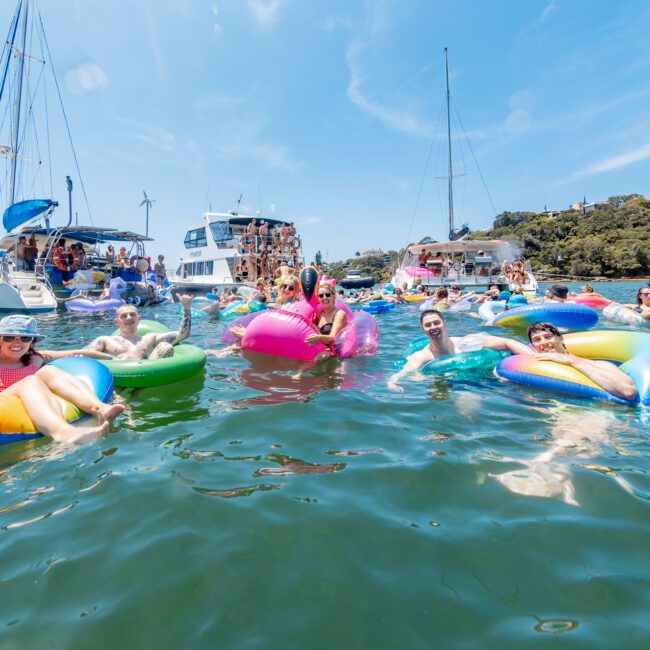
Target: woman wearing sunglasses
<point>329,321</point>
<point>642,302</point>
<point>23,374</point>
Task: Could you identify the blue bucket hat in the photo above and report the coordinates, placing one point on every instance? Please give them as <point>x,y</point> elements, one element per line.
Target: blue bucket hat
<point>19,326</point>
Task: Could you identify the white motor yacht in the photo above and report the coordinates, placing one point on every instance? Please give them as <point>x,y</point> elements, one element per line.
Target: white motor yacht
<point>220,249</point>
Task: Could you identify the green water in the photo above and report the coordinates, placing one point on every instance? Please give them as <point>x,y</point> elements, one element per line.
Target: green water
<point>245,510</point>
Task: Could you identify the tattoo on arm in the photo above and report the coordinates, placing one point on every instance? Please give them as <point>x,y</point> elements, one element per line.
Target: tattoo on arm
<point>96,344</point>
<point>184,328</point>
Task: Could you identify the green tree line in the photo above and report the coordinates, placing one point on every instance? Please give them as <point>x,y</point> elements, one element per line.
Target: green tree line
<point>609,241</point>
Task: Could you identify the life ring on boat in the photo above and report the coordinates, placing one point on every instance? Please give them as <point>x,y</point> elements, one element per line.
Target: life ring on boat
<point>135,262</point>
<point>247,241</point>
<point>65,260</point>
<point>294,243</point>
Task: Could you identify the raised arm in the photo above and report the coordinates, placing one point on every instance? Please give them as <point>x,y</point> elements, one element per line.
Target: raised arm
<point>185,324</point>
<point>506,345</point>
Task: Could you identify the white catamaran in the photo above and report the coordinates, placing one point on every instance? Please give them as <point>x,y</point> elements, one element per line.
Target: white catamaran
<point>467,263</point>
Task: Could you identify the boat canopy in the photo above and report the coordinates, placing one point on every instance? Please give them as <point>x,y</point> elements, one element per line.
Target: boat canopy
<point>462,246</point>
<point>22,212</point>
<point>89,234</point>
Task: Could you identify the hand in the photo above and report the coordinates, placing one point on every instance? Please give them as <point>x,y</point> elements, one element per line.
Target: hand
<point>312,339</point>
<point>395,387</point>
<point>186,301</point>
<point>238,331</point>
<point>564,359</point>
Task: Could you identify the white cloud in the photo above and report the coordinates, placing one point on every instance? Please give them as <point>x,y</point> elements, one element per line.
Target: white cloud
<point>615,162</point>
<point>517,123</point>
<point>266,12</point>
<point>549,10</point>
<point>86,78</point>
<point>273,156</point>
<point>216,27</point>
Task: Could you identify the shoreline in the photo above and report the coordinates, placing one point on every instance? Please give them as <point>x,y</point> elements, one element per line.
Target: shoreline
<point>561,278</point>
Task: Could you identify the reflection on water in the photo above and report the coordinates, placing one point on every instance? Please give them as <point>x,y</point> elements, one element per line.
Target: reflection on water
<point>575,434</point>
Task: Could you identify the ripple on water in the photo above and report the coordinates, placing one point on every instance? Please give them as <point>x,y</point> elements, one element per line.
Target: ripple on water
<point>247,509</point>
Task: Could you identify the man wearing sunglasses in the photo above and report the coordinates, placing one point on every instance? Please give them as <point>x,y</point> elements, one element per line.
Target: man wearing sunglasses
<point>441,344</point>
<point>129,345</point>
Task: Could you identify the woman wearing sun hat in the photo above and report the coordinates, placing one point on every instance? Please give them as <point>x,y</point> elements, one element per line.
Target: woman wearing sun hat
<point>23,374</point>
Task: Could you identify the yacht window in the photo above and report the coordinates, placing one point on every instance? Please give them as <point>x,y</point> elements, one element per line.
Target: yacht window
<point>220,231</point>
<point>208,268</point>
<point>198,268</point>
<point>190,268</point>
<point>196,238</point>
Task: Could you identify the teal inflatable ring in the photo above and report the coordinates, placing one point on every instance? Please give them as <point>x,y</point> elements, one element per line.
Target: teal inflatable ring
<point>187,361</point>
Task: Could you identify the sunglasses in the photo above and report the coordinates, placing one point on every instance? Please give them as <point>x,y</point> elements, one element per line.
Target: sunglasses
<point>324,295</point>
<point>289,287</point>
<point>645,293</point>
<point>23,339</point>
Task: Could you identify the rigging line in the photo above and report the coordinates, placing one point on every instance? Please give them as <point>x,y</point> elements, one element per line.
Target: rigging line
<point>424,175</point>
<point>65,117</point>
<point>47,126</point>
<point>8,45</point>
<point>480,173</point>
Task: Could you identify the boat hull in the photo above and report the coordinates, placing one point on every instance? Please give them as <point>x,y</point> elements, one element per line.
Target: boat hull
<point>358,283</point>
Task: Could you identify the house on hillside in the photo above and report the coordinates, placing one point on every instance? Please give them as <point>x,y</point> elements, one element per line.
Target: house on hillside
<point>587,207</point>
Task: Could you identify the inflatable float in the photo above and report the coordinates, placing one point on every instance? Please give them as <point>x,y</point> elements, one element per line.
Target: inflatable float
<point>378,306</point>
<point>594,300</point>
<point>187,361</point>
<point>561,314</point>
<point>16,425</point>
<point>83,303</point>
<point>631,349</point>
<point>621,314</point>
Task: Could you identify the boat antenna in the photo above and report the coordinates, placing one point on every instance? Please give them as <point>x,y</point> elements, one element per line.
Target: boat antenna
<point>451,174</point>
<point>21,68</point>
<point>241,196</point>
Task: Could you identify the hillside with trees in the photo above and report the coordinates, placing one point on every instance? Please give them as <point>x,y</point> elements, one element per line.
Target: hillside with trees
<point>610,241</point>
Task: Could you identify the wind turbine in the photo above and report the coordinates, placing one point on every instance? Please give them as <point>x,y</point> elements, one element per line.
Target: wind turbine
<point>147,202</point>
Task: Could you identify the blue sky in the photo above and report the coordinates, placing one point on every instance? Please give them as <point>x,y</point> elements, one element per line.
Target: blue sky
<point>324,113</point>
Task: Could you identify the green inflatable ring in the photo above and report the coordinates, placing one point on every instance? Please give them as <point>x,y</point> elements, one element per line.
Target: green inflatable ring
<point>188,360</point>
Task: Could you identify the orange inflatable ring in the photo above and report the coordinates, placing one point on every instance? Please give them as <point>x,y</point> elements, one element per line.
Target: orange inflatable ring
<point>247,241</point>
<point>294,242</point>
<point>65,260</point>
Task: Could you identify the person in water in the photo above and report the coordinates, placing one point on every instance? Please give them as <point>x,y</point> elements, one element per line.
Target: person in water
<point>441,344</point>
<point>329,321</point>
<point>129,345</point>
<point>549,346</point>
<point>557,293</point>
<point>642,302</point>
<point>24,374</point>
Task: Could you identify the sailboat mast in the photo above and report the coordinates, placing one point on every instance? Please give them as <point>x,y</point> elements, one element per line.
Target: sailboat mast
<point>21,69</point>
<point>451,173</point>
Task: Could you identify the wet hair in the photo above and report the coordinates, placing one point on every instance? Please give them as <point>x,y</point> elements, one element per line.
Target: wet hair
<point>26,359</point>
<point>428,312</point>
<point>639,299</point>
<point>543,327</point>
<point>589,288</point>
<point>441,292</point>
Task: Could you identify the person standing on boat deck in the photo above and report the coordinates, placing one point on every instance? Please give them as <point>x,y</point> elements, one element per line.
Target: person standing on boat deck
<point>276,236</point>
<point>251,229</point>
<point>160,271</point>
<point>31,253</point>
<point>441,344</point>
<point>284,236</point>
<point>264,263</point>
<point>264,235</point>
<point>549,346</point>
<point>252,265</point>
<point>129,345</point>
<point>422,259</point>
<point>20,253</point>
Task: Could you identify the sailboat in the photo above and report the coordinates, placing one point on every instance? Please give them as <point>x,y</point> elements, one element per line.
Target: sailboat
<point>466,263</point>
<point>21,289</point>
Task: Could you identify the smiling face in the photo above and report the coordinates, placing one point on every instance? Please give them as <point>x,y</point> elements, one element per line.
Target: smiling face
<point>13,348</point>
<point>546,341</point>
<point>326,295</point>
<point>434,326</point>
<point>127,319</point>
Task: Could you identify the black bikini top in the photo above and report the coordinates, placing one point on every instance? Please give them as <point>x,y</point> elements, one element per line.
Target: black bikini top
<point>325,329</point>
